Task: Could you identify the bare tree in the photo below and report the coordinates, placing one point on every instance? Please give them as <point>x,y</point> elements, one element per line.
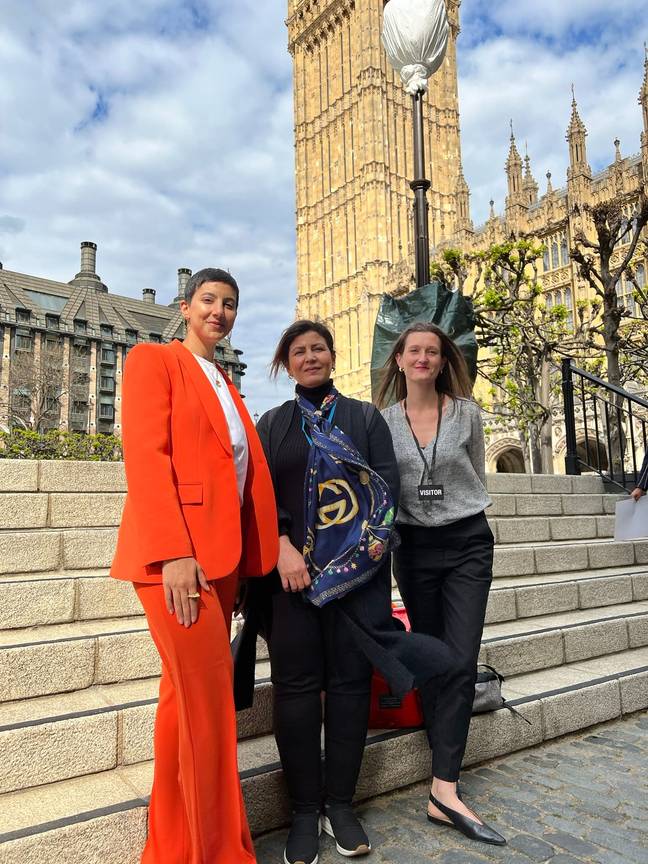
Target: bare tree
<point>613,230</point>
<point>37,387</point>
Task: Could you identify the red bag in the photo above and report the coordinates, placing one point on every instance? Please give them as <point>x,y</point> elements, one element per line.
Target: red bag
<point>390,712</point>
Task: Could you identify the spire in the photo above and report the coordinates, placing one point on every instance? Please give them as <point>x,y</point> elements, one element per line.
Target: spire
<point>514,168</point>
<point>576,135</point>
<point>643,93</point>
<point>463,201</point>
<point>530,185</point>
<point>492,210</point>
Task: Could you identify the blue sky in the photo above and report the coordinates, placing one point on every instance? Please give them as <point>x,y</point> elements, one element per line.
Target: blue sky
<point>162,130</point>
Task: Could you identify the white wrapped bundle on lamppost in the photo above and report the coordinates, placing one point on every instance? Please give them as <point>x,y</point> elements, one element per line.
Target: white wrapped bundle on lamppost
<point>415,37</point>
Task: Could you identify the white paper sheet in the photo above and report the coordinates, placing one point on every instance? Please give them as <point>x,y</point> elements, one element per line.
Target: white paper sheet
<point>631,522</point>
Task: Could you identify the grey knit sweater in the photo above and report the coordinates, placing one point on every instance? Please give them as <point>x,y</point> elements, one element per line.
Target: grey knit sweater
<point>460,466</point>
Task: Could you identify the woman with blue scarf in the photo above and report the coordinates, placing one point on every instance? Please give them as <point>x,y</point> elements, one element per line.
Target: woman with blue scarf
<point>326,611</point>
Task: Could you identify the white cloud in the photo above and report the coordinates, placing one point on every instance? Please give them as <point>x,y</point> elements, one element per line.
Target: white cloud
<point>162,130</point>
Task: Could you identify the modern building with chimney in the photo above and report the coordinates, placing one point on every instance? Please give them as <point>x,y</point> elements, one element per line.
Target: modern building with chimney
<point>64,346</point>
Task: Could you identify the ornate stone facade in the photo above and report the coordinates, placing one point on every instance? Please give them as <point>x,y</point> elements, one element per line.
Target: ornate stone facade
<point>353,135</point>
<point>64,346</point>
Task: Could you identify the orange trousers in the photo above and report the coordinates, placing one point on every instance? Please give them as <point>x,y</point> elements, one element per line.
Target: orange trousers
<point>196,814</point>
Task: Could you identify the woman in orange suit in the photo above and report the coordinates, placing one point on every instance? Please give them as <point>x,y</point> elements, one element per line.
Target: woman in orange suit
<point>199,514</point>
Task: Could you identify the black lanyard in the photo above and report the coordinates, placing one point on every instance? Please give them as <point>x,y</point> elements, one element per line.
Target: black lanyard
<point>427,471</point>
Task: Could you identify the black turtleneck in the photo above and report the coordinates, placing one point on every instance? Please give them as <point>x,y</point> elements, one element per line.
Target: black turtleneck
<point>290,468</point>
<point>315,395</point>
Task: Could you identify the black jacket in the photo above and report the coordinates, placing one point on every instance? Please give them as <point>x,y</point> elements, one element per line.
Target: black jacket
<point>402,658</point>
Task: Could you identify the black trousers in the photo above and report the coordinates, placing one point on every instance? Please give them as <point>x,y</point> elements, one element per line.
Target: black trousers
<point>444,576</point>
<point>313,650</point>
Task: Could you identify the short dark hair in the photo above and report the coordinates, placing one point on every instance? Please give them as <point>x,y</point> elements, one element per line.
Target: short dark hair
<point>298,328</point>
<point>210,274</point>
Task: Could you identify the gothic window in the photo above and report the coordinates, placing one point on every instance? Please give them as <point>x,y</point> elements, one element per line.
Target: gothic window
<point>546,263</point>
<point>570,308</point>
<point>640,275</point>
<point>564,249</point>
<point>555,257</point>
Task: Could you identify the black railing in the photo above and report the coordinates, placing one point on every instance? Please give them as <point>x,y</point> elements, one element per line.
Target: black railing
<point>606,427</point>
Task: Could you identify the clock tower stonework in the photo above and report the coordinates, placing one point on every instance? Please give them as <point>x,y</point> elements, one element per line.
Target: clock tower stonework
<point>353,161</point>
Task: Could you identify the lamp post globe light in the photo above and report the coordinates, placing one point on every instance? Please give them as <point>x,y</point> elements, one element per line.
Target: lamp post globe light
<point>415,37</point>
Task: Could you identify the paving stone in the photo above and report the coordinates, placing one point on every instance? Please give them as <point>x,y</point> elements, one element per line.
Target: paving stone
<point>41,668</point>
<point>562,712</point>
<point>605,526</point>
<point>103,597</point>
<point>560,559</point>
<point>508,483</point>
<point>574,528</point>
<point>29,552</point>
<point>641,551</point>
<point>534,848</point>
<point>18,475</point>
<point>552,484</point>
<point>513,562</point>
<point>604,591</point>
<point>634,692</point>
<point>501,606</point>
<point>595,640</point>
<point>573,844</point>
<point>640,586</point>
<point>523,530</point>
<point>582,505</point>
<point>638,631</point>
<point>30,604</point>
<point>32,756</point>
<point>539,505</point>
<point>503,505</point>
<point>587,483</point>
<point>85,510</point>
<point>64,476</point>
<point>546,599</point>
<point>22,510</point>
<point>92,548</point>
<point>526,654</point>
<point>611,555</point>
<point>126,656</point>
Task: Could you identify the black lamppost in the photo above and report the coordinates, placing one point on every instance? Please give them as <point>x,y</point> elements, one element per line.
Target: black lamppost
<point>415,37</point>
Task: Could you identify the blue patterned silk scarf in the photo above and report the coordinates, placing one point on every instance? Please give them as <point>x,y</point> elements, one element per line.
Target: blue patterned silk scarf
<point>349,510</point>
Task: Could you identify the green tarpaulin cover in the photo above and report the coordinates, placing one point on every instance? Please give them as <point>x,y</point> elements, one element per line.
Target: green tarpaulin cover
<point>449,310</point>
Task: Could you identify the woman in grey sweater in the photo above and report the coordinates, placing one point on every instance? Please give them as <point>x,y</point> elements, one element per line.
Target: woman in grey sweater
<point>444,565</point>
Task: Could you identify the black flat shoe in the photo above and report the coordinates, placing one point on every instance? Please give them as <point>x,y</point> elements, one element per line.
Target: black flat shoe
<point>302,846</point>
<point>343,825</point>
<point>468,827</point>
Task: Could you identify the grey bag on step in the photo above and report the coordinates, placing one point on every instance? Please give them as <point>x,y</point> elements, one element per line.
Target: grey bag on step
<point>488,692</point>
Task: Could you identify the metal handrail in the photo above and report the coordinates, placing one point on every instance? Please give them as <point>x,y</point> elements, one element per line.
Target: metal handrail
<point>618,434</point>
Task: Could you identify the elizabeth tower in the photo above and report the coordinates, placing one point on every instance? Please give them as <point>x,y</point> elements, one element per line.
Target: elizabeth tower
<point>353,155</point>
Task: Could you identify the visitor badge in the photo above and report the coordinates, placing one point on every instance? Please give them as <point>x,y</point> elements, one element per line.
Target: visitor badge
<point>430,492</point>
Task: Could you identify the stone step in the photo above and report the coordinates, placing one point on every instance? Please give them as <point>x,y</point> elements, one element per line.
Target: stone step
<point>47,550</point>
<point>542,529</point>
<point>69,510</point>
<point>34,600</point>
<point>528,596</point>
<point>31,475</point>
<point>38,661</point>
<point>540,558</point>
<point>55,737</point>
<point>102,817</point>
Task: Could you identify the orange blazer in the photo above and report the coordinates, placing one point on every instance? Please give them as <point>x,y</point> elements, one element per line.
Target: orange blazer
<point>182,494</point>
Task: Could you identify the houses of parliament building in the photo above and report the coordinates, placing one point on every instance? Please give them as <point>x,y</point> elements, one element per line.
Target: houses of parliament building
<point>354,161</point>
